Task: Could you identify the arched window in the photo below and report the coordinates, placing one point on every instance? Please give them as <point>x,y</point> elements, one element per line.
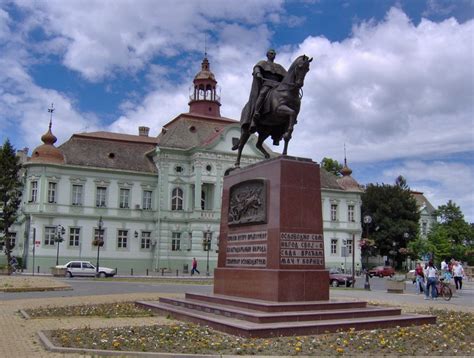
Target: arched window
<point>177,199</point>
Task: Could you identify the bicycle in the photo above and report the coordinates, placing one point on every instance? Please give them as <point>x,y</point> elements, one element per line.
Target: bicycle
<point>443,290</point>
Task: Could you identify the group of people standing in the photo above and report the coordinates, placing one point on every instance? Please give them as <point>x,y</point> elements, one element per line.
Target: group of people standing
<point>427,277</point>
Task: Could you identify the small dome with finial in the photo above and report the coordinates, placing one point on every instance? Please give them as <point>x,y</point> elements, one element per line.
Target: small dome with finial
<point>347,182</point>
<point>47,152</point>
<point>205,73</point>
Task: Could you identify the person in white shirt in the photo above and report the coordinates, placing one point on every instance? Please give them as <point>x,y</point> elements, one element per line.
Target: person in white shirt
<point>444,266</point>
<point>458,273</point>
<point>430,274</point>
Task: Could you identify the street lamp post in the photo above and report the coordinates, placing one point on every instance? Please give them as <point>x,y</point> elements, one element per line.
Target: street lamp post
<point>100,242</point>
<point>207,242</point>
<point>59,232</point>
<point>367,221</point>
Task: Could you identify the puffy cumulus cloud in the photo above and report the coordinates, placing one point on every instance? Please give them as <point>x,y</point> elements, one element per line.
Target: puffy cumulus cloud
<point>103,37</point>
<point>158,108</point>
<point>440,181</point>
<point>391,90</point>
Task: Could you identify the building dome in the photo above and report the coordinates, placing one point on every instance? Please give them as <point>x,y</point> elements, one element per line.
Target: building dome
<point>47,152</point>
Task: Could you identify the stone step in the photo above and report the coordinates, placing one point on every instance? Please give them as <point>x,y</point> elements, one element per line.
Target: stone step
<point>269,306</point>
<point>251,329</point>
<point>267,317</point>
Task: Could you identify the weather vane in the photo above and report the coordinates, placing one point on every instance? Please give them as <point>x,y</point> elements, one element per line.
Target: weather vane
<point>51,110</point>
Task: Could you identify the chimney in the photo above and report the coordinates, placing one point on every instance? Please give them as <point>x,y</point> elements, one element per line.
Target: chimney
<point>143,131</point>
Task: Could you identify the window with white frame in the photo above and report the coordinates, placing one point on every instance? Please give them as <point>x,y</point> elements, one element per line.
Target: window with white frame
<point>176,241</point>
<point>124,198</point>
<point>122,238</point>
<point>52,192</point>
<point>99,235</point>
<point>147,194</point>
<point>101,197</point>
<point>12,239</point>
<point>77,194</point>
<point>333,212</point>
<point>49,234</point>
<point>349,246</point>
<point>333,246</point>
<point>350,213</point>
<point>177,199</point>
<point>424,227</point>
<point>145,240</point>
<point>33,191</point>
<point>74,236</point>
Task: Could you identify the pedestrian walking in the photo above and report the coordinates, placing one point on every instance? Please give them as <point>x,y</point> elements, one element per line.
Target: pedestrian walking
<point>430,274</point>
<point>419,278</point>
<point>458,273</point>
<point>194,267</point>
<point>14,264</point>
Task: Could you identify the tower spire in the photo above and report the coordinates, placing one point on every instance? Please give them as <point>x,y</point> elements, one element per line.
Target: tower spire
<point>345,171</point>
<point>51,110</point>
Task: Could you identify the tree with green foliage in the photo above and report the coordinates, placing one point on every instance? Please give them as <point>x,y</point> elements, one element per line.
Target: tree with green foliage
<point>331,166</point>
<point>395,217</point>
<point>451,236</point>
<point>10,192</point>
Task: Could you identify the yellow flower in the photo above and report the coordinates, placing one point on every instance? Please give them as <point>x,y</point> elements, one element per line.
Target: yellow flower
<point>340,350</point>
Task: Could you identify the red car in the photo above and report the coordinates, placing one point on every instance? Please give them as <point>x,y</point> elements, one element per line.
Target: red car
<point>337,278</point>
<point>382,271</point>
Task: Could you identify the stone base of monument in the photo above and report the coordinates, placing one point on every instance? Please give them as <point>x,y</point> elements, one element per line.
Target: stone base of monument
<point>258,318</point>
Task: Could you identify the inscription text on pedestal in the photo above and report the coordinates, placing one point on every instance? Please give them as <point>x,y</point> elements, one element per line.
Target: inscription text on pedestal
<point>301,249</point>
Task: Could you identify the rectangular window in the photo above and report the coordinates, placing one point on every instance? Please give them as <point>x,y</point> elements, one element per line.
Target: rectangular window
<point>74,236</point>
<point>122,239</point>
<point>124,198</point>
<point>349,246</point>
<point>49,234</point>
<point>34,192</point>
<point>146,240</point>
<point>101,196</point>
<point>77,194</point>
<point>424,227</point>
<point>176,241</point>
<point>333,212</point>
<point>350,213</point>
<point>99,234</point>
<point>12,239</point>
<point>333,246</point>
<point>51,192</point>
<point>147,200</point>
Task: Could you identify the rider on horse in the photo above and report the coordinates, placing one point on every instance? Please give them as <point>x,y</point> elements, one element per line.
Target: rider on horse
<point>266,75</point>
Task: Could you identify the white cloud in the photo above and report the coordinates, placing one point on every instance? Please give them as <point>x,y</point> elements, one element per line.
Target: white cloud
<point>441,181</point>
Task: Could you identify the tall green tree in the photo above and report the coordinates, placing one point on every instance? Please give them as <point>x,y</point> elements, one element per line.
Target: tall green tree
<point>395,217</point>
<point>451,236</point>
<point>332,166</point>
<point>10,192</point>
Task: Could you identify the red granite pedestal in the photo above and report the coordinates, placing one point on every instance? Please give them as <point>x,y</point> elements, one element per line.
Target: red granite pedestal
<point>270,279</point>
<point>275,250</point>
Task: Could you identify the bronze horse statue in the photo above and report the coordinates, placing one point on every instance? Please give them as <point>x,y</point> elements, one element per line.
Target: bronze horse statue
<point>280,109</point>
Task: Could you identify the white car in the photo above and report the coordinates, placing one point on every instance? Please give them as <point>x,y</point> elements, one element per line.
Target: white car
<point>85,268</point>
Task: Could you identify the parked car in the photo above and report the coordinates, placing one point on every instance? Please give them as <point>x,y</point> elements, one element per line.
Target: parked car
<point>337,278</point>
<point>382,271</point>
<point>85,268</point>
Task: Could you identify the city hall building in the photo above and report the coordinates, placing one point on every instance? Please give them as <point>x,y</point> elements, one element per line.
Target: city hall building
<point>153,201</point>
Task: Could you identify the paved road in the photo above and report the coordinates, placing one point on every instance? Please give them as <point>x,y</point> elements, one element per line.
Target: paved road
<point>89,287</point>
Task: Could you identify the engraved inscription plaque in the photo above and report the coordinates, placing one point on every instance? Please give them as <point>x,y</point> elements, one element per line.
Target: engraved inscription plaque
<point>248,203</point>
<point>301,249</point>
<point>247,249</point>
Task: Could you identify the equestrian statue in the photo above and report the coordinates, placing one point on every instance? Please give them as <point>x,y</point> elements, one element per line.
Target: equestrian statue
<point>274,103</point>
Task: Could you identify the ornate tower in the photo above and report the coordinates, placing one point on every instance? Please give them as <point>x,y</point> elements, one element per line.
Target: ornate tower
<point>204,99</point>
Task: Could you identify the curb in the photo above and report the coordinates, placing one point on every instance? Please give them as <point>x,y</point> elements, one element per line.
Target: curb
<point>35,289</point>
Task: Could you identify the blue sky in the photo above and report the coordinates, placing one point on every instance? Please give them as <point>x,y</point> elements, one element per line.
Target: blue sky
<point>392,80</point>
